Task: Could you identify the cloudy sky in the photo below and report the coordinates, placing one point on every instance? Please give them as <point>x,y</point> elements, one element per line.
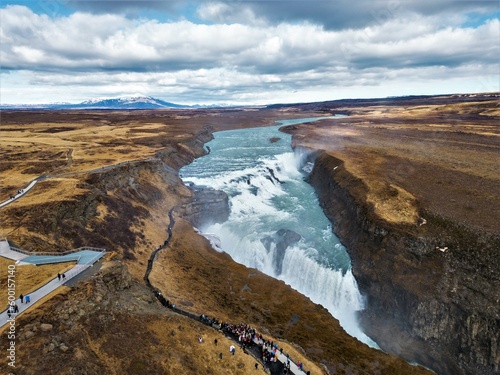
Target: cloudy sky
<point>246,52</point>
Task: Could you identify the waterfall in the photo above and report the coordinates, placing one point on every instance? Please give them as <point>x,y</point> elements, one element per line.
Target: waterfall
<point>276,224</point>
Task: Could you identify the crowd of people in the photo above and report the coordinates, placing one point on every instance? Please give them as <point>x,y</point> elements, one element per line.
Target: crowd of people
<point>249,339</point>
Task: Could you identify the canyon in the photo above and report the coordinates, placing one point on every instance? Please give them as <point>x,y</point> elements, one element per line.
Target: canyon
<point>436,307</point>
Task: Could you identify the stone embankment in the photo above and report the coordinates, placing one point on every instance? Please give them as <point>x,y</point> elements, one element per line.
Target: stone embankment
<point>432,290</point>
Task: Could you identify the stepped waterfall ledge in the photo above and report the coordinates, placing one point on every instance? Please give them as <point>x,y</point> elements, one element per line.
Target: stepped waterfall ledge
<point>275,222</point>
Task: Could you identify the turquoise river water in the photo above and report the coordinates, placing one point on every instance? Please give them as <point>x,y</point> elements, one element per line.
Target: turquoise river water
<point>267,192</point>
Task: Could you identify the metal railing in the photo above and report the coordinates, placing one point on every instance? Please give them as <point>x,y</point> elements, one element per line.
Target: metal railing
<point>19,250</point>
<point>83,248</point>
<point>94,259</point>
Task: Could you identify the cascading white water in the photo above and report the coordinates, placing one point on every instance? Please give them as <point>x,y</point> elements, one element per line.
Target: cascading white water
<point>270,205</point>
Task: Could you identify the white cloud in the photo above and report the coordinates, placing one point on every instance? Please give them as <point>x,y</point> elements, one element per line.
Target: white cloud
<point>342,14</point>
<point>107,53</point>
<point>227,13</point>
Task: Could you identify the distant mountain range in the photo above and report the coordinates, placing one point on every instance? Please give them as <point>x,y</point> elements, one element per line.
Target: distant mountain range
<point>130,102</point>
<point>126,102</point>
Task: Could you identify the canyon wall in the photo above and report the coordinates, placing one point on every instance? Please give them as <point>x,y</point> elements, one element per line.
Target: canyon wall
<point>206,207</point>
<point>113,206</point>
<point>432,290</point>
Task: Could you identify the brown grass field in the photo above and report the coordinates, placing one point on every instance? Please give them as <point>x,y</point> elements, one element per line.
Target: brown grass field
<point>445,156</point>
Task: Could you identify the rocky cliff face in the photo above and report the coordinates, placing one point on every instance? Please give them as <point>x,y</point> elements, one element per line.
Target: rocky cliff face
<point>207,207</point>
<point>432,290</point>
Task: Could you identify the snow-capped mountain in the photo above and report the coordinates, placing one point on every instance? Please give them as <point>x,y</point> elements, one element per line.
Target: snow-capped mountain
<point>124,102</point>
<point>128,102</point>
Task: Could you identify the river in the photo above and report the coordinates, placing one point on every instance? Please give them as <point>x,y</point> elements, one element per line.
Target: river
<point>264,179</point>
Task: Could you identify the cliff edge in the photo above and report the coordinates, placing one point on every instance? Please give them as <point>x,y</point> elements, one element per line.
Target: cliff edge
<point>412,191</point>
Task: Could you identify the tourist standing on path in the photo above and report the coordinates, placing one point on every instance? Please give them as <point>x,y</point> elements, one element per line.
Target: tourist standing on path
<point>21,297</point>
<point>59,276</point>
<point>64,276</point>
<point>27,299</point>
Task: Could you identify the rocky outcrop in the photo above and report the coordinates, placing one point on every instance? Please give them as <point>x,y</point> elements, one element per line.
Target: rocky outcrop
<point>272,177</point>
<point>282,239</point>
<point>432,290</point>
<point>207,206</point>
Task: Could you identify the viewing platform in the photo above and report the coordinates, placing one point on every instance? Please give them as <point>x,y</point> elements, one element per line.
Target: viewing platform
<point>85,257</point>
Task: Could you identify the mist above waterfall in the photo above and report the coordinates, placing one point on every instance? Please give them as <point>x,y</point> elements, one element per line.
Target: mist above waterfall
<point>276,224</point>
